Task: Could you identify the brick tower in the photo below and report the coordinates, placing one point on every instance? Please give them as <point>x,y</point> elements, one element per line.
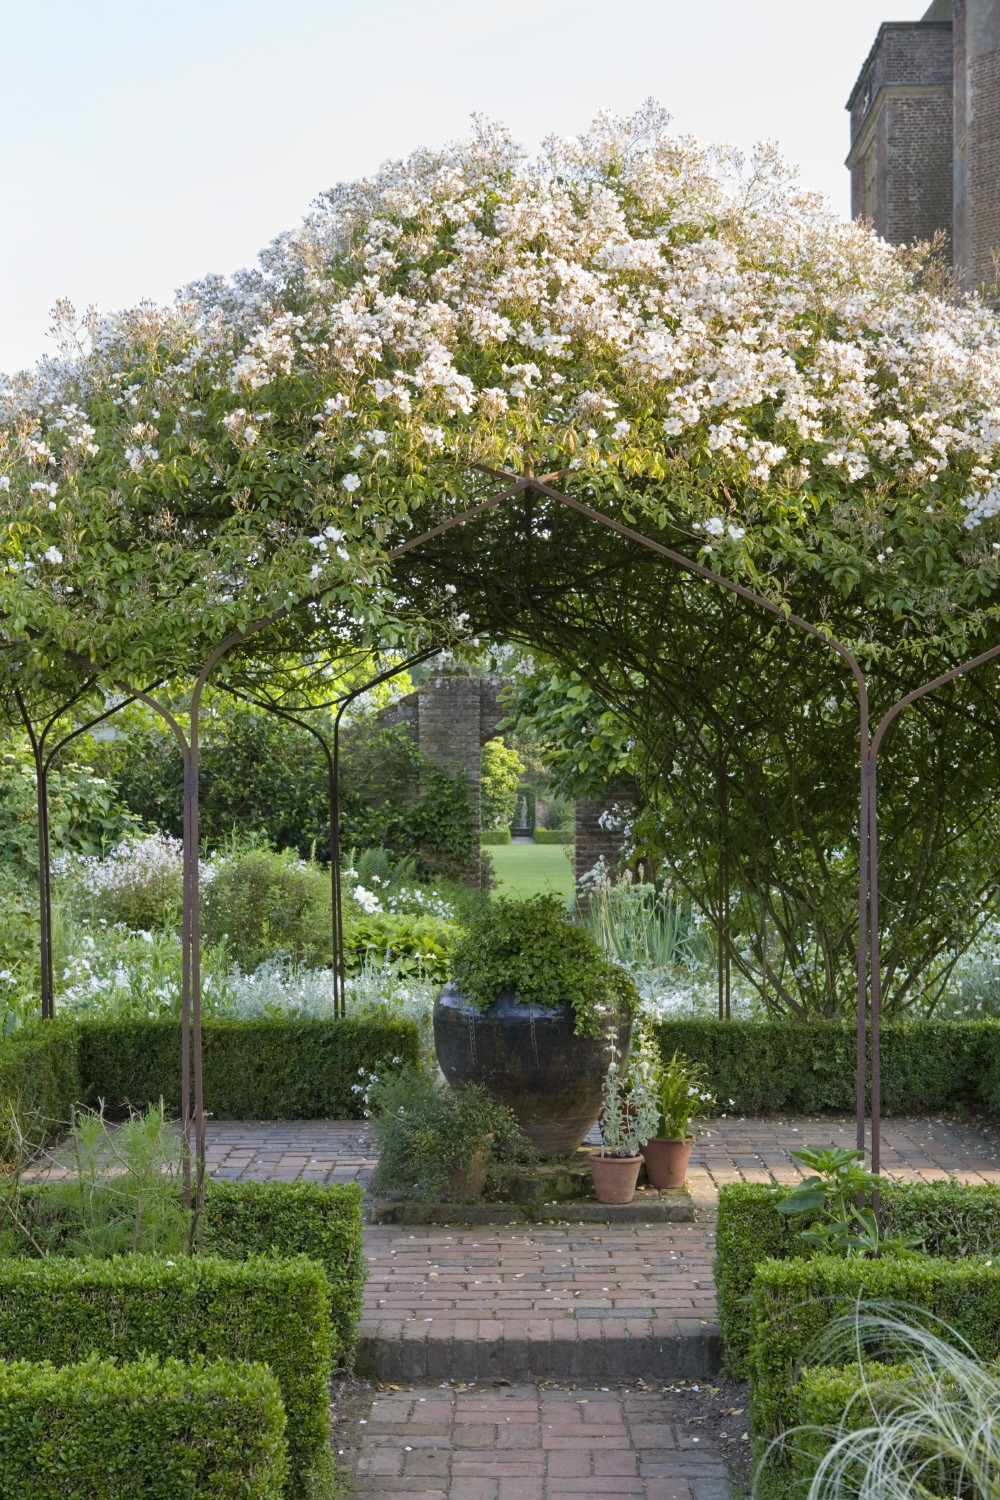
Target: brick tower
<point>925,133</point>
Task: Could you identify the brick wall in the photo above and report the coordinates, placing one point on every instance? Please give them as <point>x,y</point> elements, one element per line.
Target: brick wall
<point>595,841</point>
<point>977,139</point>
<point>902,132</point>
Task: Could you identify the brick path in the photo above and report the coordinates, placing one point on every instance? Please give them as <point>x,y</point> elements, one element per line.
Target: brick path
<point>727,1150</point>
<point>526,1442</point>
<point>568,1302</point>
<point>588,1303</point>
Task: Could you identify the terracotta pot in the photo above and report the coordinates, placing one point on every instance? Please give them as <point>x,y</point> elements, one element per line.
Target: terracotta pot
<point>667,1161</point>
<point>614,1177</point>
<point>468,1182</point>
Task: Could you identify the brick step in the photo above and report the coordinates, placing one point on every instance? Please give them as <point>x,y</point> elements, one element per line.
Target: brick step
<point>583,1349</point>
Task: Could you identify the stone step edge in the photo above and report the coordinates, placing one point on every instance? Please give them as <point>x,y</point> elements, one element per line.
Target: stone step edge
<point>691,1351</point>
<point>671,1206</point>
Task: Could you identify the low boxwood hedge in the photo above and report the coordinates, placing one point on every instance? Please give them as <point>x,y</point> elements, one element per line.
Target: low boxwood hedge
<point>297,1218</point>
<point>828,1400</point>
<point>952,1220</point>
<point>244,1219</point>
<point>148,1430</point>
<point>253,1070</point>
<point>39,1078</point>
<point>553,836</point>
<point>274,1311</point>
<point>759,1066</point>
<point>490,836</point>
<point>792,1301</point>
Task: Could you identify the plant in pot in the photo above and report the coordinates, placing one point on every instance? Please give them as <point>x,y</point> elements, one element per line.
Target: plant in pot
<point>681,1096</point>
<point>533,1004</point>
<point>628,1117</point>
<point>437,1145</point>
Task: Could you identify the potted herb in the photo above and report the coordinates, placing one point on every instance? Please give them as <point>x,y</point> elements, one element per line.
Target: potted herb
<point>436,1144</point>
<point>681,1097</point>
<point>533,1004</point>
<point>628,1118</point>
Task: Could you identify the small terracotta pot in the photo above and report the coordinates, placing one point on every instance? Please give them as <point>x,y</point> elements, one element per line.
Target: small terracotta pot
<point>614,1177</point>
<point>667,1161</point>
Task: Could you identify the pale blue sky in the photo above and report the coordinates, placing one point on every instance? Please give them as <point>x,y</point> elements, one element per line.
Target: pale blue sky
<point>148,143</point>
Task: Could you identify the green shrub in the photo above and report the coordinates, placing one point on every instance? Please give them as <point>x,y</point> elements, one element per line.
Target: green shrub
<point>241,1220</point>
<point>261,904</point>
<point>760,1066</point>
<point>793,1301</point>
<point>39,1080</point>
<point>534,948</point>
<point>253,1070</point>
<point>427,942</point>
<point>562,836</point>
<point>837,1400</point>
<point>296,1218</point>
<point>427,1133</point>
<point>138,884</point>
<point>275,1311</point>
<point>952,1220</point>
<point>121,1194</point>
<point>149,1430</point>
<point>492,836</point>
<point>500,769</point>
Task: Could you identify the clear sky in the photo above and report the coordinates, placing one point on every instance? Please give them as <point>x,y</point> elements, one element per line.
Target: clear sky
<point>150,142</point>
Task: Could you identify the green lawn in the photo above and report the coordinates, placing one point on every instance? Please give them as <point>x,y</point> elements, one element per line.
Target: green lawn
<point>525,869</point>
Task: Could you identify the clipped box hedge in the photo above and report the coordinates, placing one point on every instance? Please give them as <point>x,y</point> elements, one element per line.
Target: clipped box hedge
<point>792,1301</point>
<point>39,1076</point>
<point>842,1398</point>
<point>562,836</point>
<point>273,1311</point>
<point>952,1220</point>
<point>491,836</point>
<point>244,1219</point>
<point>763,1066</point>
<point>297,1218</point>
<point>149,1430</point>
<point>253,1070</point>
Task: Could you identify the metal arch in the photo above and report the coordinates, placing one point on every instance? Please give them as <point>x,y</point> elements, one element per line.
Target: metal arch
<point>43,764</point>
<point>868,920</point>
<point>332,758</point>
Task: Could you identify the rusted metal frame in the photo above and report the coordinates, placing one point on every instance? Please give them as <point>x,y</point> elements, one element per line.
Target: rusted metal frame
<point>541,485</point>
<point>185,750</point>
<point>324,744</point>
<point>339,956</point>
<point>742,592</point>
<point>871,775</point>
<point>37,739</point>
<point>43,764</point>
<point>191,1048</point>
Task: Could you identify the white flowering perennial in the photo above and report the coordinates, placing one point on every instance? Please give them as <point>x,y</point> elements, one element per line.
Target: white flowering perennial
<point>664,323</point>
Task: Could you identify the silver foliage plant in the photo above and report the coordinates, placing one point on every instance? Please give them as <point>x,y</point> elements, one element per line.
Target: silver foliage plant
<point>933,1433</point>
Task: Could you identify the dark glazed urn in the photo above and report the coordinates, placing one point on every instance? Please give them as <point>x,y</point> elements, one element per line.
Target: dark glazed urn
<point>529,1059</point>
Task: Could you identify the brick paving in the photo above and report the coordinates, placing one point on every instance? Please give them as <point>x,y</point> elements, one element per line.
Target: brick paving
<point>531,1302</point>
<point>530,1442</point>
